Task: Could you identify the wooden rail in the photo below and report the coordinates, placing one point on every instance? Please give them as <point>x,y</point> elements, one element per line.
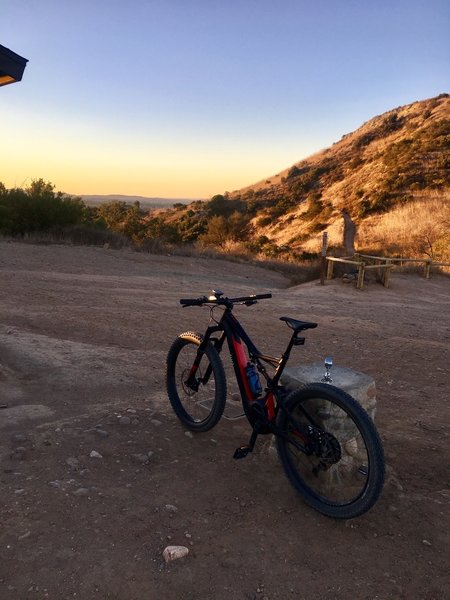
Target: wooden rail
<point>384,266</point>
<point>427,262</point>
<point>384,270</point>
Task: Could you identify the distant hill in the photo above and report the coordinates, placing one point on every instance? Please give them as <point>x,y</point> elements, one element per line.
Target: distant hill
<point>390,161</point>
<point>392,175</point>
<point>145,202</point>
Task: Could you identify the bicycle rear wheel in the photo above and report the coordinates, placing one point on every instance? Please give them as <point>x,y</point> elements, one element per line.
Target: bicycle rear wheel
<point>199,399</point>
<point>331,451</point>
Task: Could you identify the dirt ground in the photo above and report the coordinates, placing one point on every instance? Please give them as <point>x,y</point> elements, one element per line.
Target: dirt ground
<point>84,334</point>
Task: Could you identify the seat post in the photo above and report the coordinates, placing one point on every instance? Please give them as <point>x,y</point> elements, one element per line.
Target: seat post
<point>284,358</point>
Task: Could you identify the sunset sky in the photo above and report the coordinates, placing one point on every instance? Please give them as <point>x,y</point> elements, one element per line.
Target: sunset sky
<point>190,98</point>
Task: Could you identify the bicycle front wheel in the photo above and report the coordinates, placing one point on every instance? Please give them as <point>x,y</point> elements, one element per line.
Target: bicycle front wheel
<point>198,398</point>
<point>330,451</point>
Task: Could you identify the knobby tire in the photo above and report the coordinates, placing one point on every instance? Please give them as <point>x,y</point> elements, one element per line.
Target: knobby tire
<point>201,409</point>
<point>350,484</point>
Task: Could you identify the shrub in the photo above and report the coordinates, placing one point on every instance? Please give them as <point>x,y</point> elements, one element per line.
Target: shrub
<point>293,172</point>
<point>220,230</point>
<point>264,221</point>
<point>38,208</point>
<point>364,140</point>
<point>377,202</point>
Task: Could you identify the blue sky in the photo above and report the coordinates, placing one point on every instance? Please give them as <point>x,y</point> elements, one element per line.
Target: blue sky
<point>191,98</point>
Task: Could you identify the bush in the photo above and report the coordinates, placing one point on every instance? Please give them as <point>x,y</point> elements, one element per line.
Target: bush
<point>377,202</point>
<point>264,221</point>
<point>222,206</point>
<point>293,172</point>
<point>38,208</point>
<point>78,235</point>
<point>221,230</point>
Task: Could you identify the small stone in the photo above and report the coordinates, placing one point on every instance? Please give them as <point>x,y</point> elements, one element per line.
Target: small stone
<point>140,458</point>
<point>150,453</point>
<point>19,492</point>
<point>95,454</point>
<point>156,422</point>
<point>55,484</point>
<point>18,453</point>
<point>124,421</point>
<point>426,543</point>
<point>174,552</point>
<point>189,434</point>
<point>81,492</point>
<point>25,535</point>
<point>133,411</point>
<point>101,432</point>
<point>171,508</point>
<point>73,463</point>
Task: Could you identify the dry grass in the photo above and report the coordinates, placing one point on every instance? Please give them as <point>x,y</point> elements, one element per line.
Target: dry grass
<point>76,235</point>
<point>420,229</point>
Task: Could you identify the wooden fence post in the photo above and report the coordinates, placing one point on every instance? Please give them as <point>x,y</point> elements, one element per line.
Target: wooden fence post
<point>361,270</point>
<point>330,269</point>
<point>324,257</point>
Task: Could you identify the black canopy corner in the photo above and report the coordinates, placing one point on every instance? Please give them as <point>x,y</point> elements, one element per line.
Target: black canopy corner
<point>12,66</point>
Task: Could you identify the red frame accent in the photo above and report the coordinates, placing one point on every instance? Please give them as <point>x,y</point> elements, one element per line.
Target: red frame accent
<point>242,361</point>
<point>270,406</point>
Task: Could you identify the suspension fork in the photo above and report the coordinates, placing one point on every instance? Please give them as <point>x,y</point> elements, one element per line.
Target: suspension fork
<point>192,381</point>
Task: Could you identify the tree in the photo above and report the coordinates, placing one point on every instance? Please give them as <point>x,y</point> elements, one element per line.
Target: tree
<point>113,214</point>
<point>221,229</point>
<point>217,232</point>
<point>38,208</point>
<point>218,205</point>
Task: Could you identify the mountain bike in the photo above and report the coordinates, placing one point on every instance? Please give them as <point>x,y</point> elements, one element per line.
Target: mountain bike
<point>327,444</point>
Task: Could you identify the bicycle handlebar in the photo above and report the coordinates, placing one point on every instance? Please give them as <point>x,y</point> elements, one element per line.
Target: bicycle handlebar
<point>251,298</point>
<point>193,301</point>
<point>224,301</point>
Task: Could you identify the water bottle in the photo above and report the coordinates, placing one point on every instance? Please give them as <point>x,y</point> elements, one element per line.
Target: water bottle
<point>253,379</point>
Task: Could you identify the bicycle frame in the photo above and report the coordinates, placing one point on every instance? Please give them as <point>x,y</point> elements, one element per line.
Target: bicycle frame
<point>238,340</point>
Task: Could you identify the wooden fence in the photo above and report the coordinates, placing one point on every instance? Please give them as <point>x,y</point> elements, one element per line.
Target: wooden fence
<point>383,266</point>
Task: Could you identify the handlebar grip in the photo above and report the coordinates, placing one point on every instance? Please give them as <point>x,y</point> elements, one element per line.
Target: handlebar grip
<point>263,296</point>
<point>193,301</point>
<point>190,301</point>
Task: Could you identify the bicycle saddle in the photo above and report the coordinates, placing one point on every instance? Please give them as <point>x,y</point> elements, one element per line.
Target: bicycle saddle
<point>297,325</point>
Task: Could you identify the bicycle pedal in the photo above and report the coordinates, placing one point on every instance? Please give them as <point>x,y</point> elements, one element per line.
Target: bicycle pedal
<point>241,452</point>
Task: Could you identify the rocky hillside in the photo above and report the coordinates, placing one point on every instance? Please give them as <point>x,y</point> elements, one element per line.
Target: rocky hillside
<point>395,162</point>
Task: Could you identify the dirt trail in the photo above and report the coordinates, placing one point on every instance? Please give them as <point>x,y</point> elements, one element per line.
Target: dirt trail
<point>83,337</point>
